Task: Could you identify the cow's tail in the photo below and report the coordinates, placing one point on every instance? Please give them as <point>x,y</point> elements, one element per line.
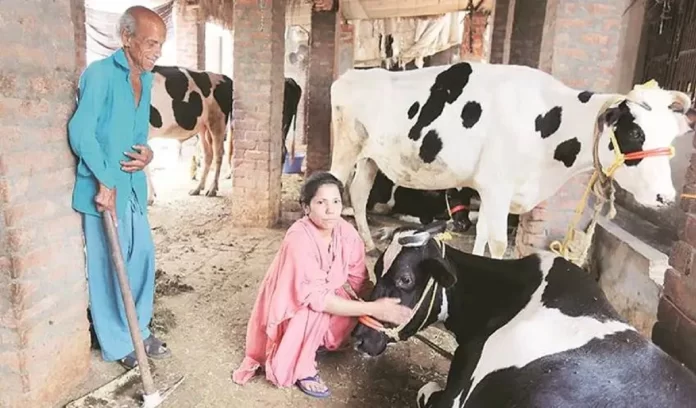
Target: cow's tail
<point>294,126</point>
<point>229,131</point>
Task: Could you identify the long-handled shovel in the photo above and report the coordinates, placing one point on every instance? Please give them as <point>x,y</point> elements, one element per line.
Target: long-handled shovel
<point>152,397</point>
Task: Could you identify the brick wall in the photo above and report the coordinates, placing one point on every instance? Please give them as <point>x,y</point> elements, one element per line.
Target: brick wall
<point>259,60</point>
<point>322,56</point>
<point>675,329</point>
<point>78,16</point>
<point>44,332</point>
<point>476,26</point>
<point>500,34</point>
<point>190,37</point>
<point>581,46</point>
<point>526,32</point>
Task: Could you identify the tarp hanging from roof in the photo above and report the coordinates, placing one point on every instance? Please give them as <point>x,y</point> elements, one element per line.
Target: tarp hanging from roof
<point>414,38</point>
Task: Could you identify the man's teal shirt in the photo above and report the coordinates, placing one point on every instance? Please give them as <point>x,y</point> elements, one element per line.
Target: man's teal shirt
<point>106,124</point>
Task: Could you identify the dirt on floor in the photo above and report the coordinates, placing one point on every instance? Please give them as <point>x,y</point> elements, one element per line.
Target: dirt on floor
<point>208,274</point>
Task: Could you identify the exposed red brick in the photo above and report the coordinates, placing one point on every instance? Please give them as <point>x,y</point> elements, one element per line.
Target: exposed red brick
<point>259,49</point>
<point>320,77</point>
<point>500,33</point>
<point>682,257</point>
<point>674,332</point>
<point>474,28</point>
<point>680,290</point>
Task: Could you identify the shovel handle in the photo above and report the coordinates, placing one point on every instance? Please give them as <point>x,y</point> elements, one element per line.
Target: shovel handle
<point>128,302</point>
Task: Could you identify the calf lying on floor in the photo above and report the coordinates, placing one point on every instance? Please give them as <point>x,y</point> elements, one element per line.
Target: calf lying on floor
<point>531,332</point>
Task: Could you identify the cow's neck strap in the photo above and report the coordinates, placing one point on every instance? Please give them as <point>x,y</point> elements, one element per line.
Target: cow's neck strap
<point>601,185</point>
<point>431,287</point>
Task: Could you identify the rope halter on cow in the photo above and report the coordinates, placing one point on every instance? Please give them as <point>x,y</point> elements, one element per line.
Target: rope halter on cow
<point>577,243</point>
<point>430,288</point>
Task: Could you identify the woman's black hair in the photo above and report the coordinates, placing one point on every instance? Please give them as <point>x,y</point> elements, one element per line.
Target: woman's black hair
<point>316,180</point>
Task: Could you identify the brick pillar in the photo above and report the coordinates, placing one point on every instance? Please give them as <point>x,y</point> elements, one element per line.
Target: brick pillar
<point>322,58</point>
<point>474,29</point>
<point>78,16</point>
<point>675,329</point>
<point>503,17</point>
<point>527,28</point>
<point>259,50</point>
<point>581,45</point>
<point>190,37</point>
<point>44,332</point>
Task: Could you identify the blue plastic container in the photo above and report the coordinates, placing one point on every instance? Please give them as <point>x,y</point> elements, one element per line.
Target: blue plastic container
<point>296,166</point>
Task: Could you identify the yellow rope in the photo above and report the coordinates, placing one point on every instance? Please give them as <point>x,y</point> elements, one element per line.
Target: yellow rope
<point>576,243</point>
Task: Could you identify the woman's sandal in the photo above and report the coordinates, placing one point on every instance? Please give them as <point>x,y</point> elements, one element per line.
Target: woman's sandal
<point>154,348</point>
<point>316,394</point>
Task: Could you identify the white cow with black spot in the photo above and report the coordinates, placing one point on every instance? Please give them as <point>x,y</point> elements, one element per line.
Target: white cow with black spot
<point>514,134</point>
<point>531,332</point>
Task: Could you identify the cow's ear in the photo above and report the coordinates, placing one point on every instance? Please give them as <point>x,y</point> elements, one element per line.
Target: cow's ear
<point>441,270</point>
<point>379,267</point>
<point>608,118</point>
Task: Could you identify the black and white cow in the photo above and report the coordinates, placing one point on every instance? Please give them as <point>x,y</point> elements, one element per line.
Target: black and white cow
<point>291,100</point>
<point>425,206</point>
<point>531,332</point>
<point>513,133</point>
<point>188,102</point>
<point>185,103</point>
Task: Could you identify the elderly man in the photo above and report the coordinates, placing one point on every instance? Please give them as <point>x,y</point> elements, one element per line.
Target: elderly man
<point>108,134</point>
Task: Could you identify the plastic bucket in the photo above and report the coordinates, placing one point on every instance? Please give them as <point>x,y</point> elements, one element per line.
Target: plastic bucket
<point>296,166</point>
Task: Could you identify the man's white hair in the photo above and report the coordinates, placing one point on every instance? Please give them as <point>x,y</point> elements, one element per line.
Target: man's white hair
<point>127,23</point>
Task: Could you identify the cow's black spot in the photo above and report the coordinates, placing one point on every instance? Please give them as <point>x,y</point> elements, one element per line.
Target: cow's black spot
<point>223,96</point>
<point>585,96</point>
<point>202,80</point>
<point>549,123</point>
<point>447,88</point>
<point>175,82</point>
<point>566,152</point>
<point>575,293</point>
<point>629,135</point>
<point>430,147</point>
<point>413,110</point>
<point>471,113</point>
<point>155,117</point>
<point>187,113</point>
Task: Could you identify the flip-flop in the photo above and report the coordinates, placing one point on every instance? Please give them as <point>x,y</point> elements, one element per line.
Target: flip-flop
<point>129,361</point>
<point>311,393</point>
<point>155,348</point>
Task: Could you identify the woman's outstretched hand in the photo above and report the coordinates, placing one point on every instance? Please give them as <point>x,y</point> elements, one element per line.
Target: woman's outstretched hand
<point>389,310</point>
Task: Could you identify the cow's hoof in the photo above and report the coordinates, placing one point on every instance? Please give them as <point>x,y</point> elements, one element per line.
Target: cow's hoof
<point>211,193</point>
<point>426,392</point>
<point>195,192</point>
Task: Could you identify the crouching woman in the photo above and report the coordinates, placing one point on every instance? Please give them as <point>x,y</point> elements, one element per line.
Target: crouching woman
<point>302,306</point>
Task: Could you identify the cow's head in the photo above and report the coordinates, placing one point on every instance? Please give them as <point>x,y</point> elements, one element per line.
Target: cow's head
<point>460,207</point>
<point>404,271</point>
<point>647,120</point>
